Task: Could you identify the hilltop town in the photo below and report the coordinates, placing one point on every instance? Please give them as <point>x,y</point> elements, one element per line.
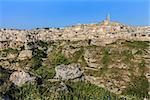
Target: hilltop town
<point>106,60</point>
<point>104,32</point>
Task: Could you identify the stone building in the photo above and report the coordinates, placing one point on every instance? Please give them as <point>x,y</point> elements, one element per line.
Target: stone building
<point>108,26</point>
<point>106,31</point>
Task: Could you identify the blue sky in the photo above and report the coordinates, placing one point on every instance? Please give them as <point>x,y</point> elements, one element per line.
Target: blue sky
<point>28,14</point>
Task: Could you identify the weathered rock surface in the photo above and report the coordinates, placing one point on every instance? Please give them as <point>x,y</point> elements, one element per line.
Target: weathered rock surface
<point>25,54</point>
<point>93,57</point>
<point>115,81</point>
<point>12,56</point>
<point>50,49</point>
<point>118,65</point>
<point>5,64</point>
<point>11,66</point>
<point>20,77</point>
<point>148,76</point>
<point>108,84</point>
<point>68,52</point>
<point>66,72</point>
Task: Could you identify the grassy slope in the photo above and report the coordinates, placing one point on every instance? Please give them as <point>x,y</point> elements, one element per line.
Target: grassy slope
<point>136,89</point>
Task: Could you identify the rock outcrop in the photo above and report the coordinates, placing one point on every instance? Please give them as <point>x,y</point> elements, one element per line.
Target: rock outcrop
<point>25,54</point>
<point>93,57</point>
<point>68,72</point>
<point>112,85</point>
<point>20,77</point>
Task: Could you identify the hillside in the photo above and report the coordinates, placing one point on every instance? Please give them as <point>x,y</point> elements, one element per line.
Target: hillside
<point>117,67</point>
<point>79,62</point>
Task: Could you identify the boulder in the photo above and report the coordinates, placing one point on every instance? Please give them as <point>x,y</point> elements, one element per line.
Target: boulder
<point>20,77</point>
<point>4,64</point>
<point>7,65</point>
<point>66,72</point>
<point>25,54</point>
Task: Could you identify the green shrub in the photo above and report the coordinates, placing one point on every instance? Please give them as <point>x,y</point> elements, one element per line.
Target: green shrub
<point>142,64</point>
<point>126,55</point>
<point>138,87</point>
<point>42,43</point>
<point>45,72</point>
<point>137,44</point>
<point>5,52</point>
<point>89,90</point>
<point>105,59</point>
<point>10,50</point>
<point>28,92</point>
<point>77,55</point>
<point>36,60</point>
<point>58,59</point>
<point>35,63</point>
<point>39,54</point>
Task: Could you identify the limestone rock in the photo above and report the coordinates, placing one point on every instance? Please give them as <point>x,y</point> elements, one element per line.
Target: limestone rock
<point>115,90</point>
<point>5,64</point>
<point>93,58</point>
<point>68,52</point>
<point>12,56</point>
<point>50,49</point>
<point>112,85</point>
<point>97,42</point>
<point>118,65</point>
<point>148,76</point>
<point>96,80</point>
<point>134,51</point>
<point>20,77</point>
<point>10,66</point>
<point>66,72</point>
<point>25,54</point>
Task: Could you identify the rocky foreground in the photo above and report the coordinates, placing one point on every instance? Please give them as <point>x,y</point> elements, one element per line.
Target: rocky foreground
<point>44,64</point>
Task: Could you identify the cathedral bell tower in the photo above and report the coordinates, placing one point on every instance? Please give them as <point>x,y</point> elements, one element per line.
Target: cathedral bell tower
<point>107,20</point>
